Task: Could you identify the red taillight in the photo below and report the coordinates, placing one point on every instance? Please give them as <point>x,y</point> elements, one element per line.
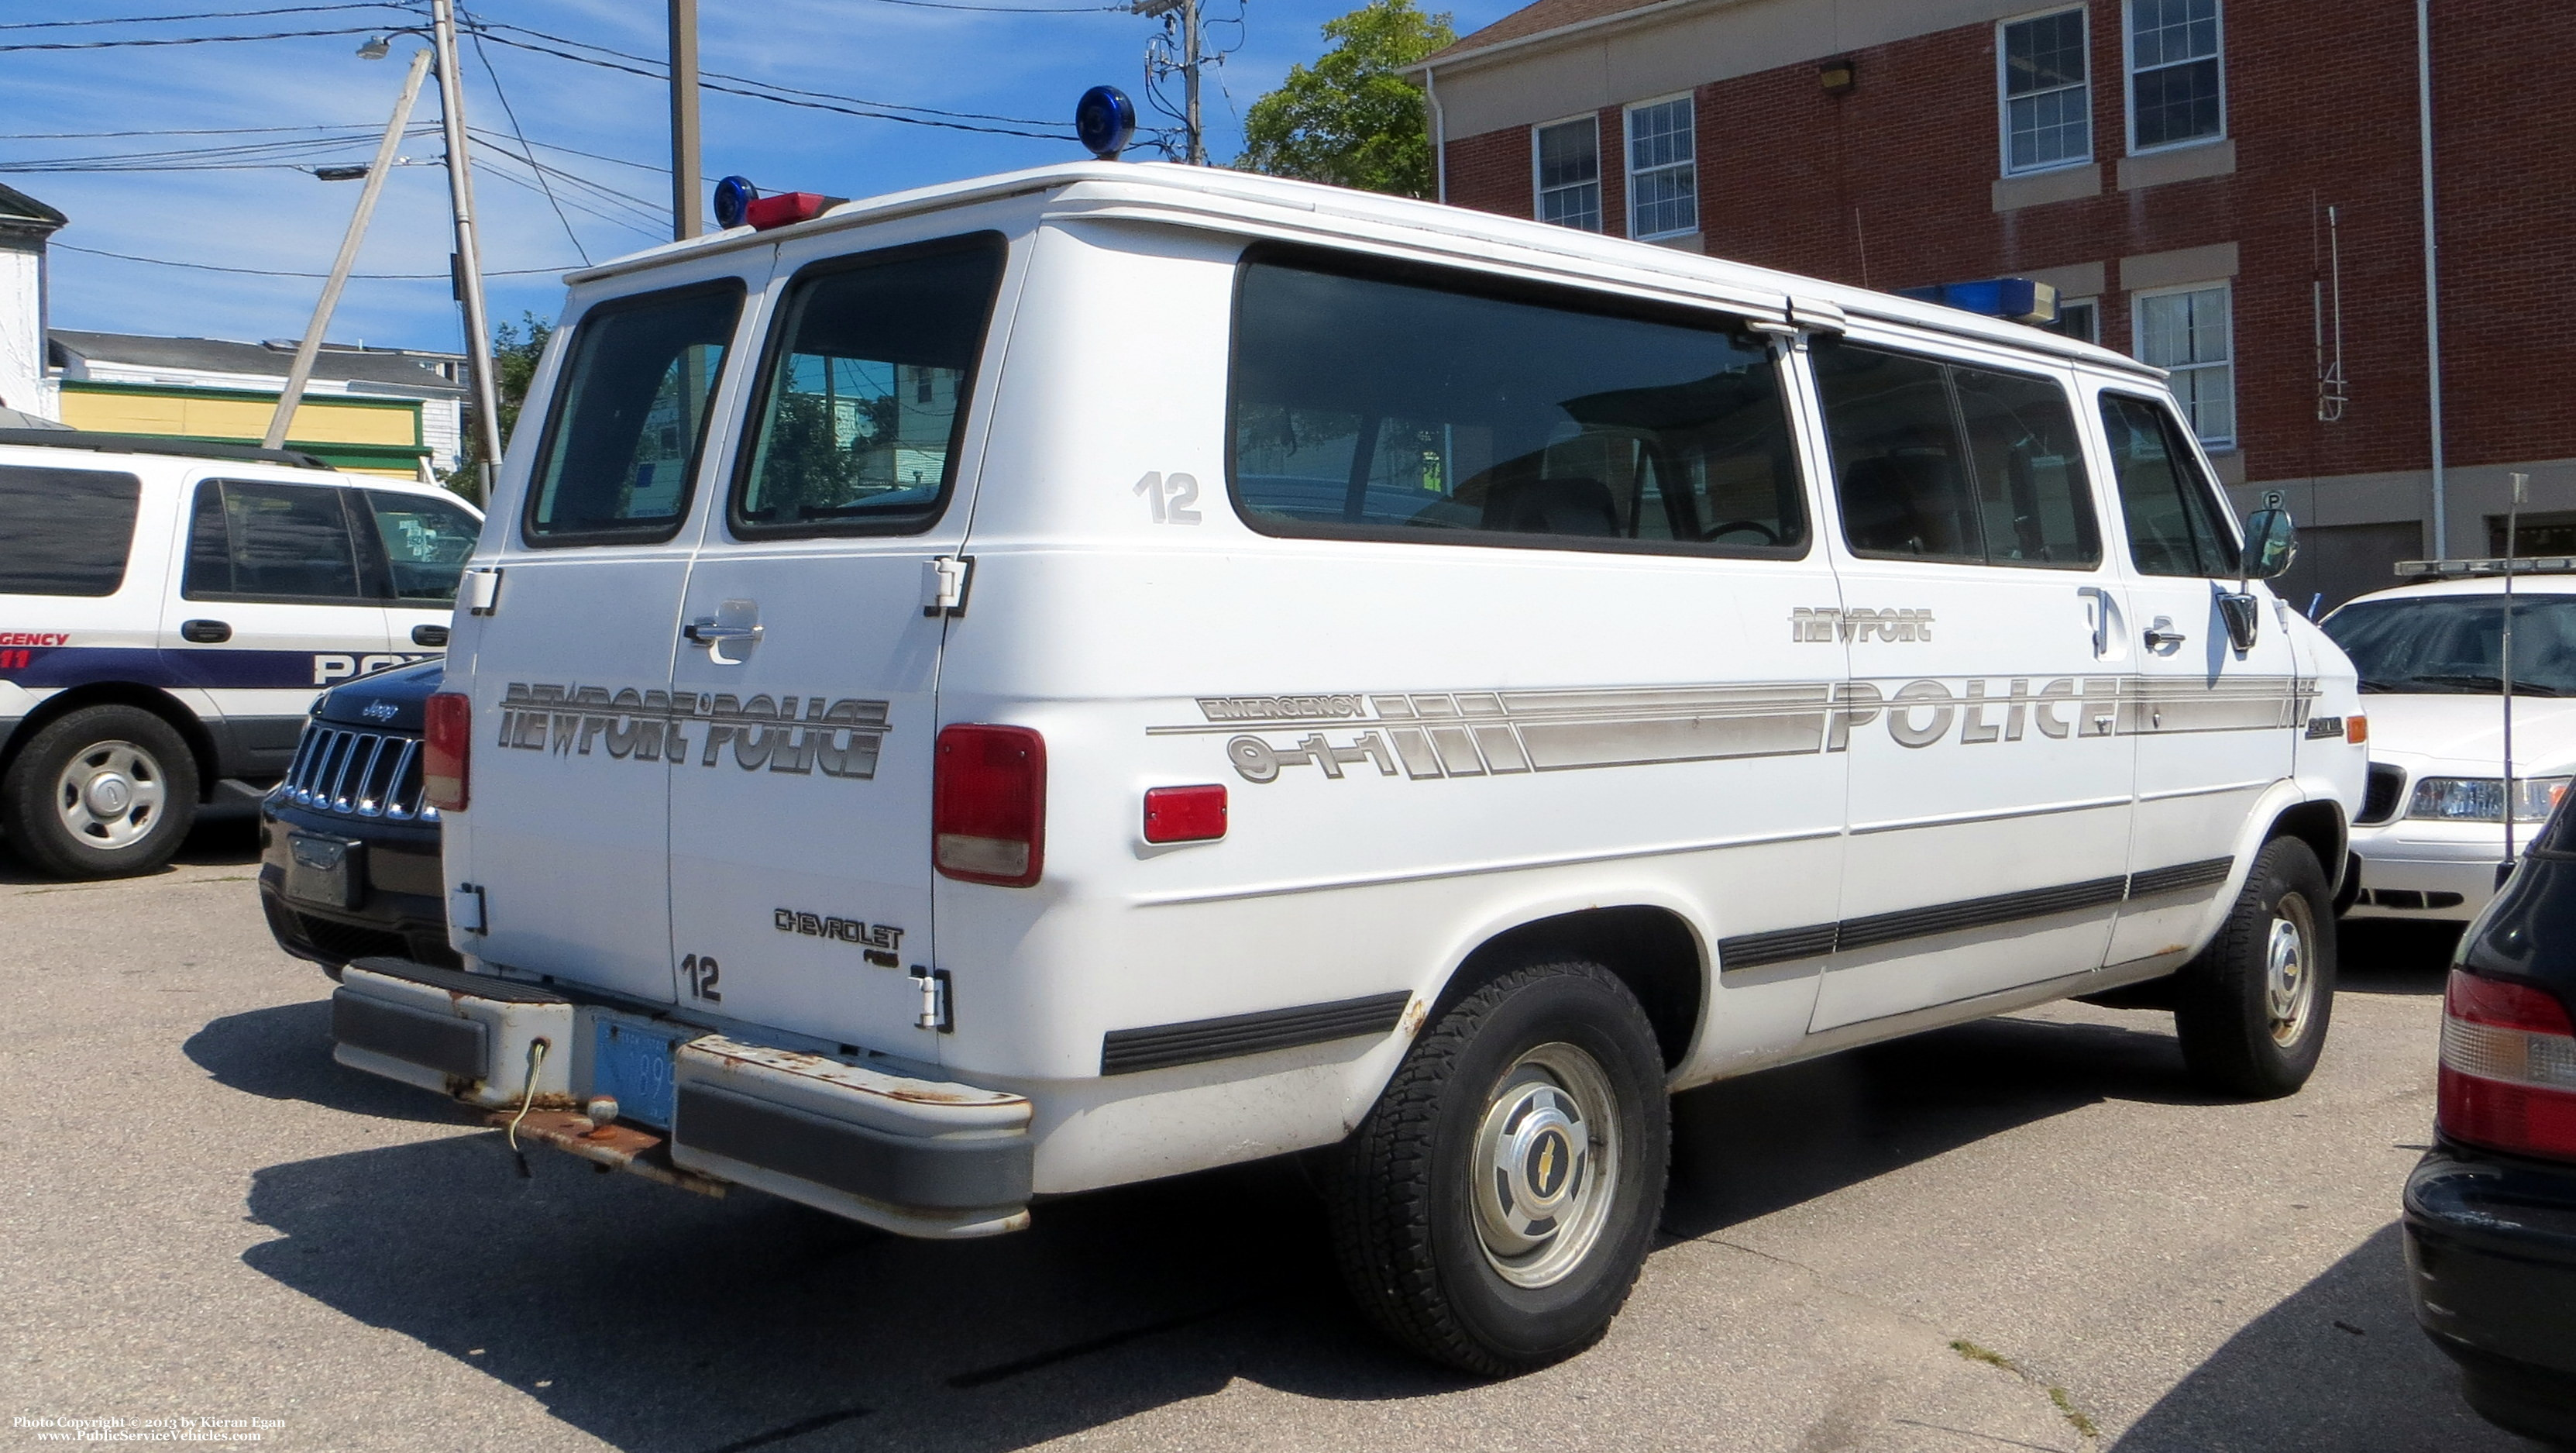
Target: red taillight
<point>1184,814</point>
<point>2508,1079</point>
<point>778,211</point>
<point>449,720</point>
<point>988,805</point>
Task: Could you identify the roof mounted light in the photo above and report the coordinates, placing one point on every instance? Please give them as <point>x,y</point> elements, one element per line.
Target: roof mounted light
<point>733,196</point>
<point>1104,121</point>
<point>2015,298</point>
<point>2481,569</point>
<point>763,213</point>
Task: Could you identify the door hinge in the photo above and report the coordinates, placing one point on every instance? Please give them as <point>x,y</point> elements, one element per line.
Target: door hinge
<point>945,580</point>
<point>465,907</point>
<point>934,999</point>
<point>482,590</point>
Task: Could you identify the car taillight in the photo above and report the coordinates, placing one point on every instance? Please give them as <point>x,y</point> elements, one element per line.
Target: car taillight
<point>449,721</point>
<point>988,805</point>
<point>2508,1079</point>
<point>1185,814</point>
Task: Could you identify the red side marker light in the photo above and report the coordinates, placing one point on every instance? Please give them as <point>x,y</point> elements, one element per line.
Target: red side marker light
<point>448,722</point>
<point>786,207</point>
<point>1184,814</point>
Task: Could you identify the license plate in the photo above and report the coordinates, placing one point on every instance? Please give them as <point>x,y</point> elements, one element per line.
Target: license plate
<point>631,1060</point>
<point>325,872</point>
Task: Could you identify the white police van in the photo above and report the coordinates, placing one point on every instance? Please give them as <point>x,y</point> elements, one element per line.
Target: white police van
<point>1106,671</point>
<point>169,610</point>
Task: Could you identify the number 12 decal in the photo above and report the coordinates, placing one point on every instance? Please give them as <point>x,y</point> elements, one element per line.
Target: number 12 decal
<point>1171,496</point>
<point>702,974</point>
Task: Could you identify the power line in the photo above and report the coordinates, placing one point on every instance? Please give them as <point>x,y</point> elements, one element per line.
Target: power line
<point>485,56</point>
<point>170,131</point>
<point>199,15</point>
<point>641,166</point>
<point>182,39</point>
<point>389,277</point>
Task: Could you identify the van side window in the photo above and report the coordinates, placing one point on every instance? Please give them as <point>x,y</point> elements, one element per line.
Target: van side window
<point>863,399</point>
<point>622,447</point>
<point>2174,524</point>
<point>65,531</point>
<point>1944,461</point>
<point>253,540</point>
<point>425,542</point>
<point>1415,406</point>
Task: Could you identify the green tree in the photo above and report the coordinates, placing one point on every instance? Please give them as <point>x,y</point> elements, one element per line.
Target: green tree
<point>1351,118</point>
<point>514,365</point>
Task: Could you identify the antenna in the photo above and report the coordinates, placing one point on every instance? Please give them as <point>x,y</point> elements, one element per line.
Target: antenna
<point>2504,664</point>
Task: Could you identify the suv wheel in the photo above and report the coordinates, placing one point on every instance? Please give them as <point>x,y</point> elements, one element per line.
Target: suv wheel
<point>105,792</point>
<point>1494,1208</point>
<point>2252,1010</point>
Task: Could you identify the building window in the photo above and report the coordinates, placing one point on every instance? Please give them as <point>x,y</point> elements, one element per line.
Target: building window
<point>2188,331</point>
<point>1569,174</point>
<point>2048,108</point>
<point>2174,80</point>
<point>1663,178</point>
<point>2079,319</point>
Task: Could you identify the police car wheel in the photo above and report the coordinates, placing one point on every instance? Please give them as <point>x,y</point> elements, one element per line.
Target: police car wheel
<point>2252,1010</point>
<point>105,792</point>
<point>1495,1207</point>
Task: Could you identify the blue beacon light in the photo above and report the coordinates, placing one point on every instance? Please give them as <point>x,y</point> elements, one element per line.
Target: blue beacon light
<point>734,196</point>
<point>1104,120</point>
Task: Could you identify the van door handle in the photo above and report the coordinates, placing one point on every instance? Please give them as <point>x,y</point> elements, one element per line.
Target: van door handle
<point>2161,634</point>
<point>716,637</point>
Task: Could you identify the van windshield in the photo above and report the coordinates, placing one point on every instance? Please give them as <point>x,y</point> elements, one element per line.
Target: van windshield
<point>1423,407</point>
<point>2453,644</point>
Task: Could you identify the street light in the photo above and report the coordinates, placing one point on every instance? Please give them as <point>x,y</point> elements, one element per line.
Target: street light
<point>376,47</point>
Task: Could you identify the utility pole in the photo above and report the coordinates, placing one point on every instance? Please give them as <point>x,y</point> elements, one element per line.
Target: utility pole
<point>467,262</point>
<point>302,371</point>
<point>1193,56</point>
<point>684,119</point>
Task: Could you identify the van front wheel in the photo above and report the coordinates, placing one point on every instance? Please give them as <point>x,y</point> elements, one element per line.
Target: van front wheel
<point>1494,1208</point>
<point>2252,1010</point>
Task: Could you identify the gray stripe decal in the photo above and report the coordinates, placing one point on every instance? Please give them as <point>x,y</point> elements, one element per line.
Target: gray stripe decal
<point>1782,945</point>
<point>1127,1051</point>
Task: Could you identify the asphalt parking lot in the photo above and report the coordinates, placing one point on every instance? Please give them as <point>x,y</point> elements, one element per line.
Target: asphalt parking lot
<point>2027,1233</point>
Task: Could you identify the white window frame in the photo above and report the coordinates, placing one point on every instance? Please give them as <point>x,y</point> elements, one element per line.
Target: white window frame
<point>2003,100</point>
<point>1538,189</point>
<point>2129,83</point>
<point>2138,350</point>
<point>1628,167</point>
<point>2095,304</point>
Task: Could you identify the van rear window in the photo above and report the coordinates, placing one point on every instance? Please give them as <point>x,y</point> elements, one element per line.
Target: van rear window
<point>863,400</point>
<point>1421,406</point>
<point>65,531</point>
<point>622,447</point>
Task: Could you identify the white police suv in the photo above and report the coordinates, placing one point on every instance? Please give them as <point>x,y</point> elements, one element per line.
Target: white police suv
<point>2429,842</point>
<point>168,611</point>
<point>1100,672</point>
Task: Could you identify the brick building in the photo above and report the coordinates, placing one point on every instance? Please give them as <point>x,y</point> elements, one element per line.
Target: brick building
<point>2225,187</point>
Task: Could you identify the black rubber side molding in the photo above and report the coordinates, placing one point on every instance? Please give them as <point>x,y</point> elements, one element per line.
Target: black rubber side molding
<point>2180,876</point>
<point>440,1042</point>
<point>913,1172</point>
<point>1784,945</point>
<point>1161,1046</point>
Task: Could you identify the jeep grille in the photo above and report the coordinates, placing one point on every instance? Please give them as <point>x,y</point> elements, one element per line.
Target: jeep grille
<point>357,773</point>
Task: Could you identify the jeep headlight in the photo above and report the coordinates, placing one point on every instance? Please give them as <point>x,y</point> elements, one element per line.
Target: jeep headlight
<point>2481,799</point>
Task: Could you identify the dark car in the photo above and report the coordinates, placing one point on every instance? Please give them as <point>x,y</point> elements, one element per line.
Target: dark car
<point>348,850</point>
<point>2491,1209</point>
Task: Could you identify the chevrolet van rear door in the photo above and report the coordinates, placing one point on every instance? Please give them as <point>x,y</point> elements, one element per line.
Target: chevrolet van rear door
<point>800,817</point>
<point>576,734</point>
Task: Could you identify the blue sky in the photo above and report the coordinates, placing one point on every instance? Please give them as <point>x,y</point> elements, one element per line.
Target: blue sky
<point>279,218</point>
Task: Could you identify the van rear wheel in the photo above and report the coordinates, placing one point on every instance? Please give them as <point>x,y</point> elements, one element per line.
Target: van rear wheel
<point>2252,1010</point>
<point>1495,1207</point>
<point>105,792</point>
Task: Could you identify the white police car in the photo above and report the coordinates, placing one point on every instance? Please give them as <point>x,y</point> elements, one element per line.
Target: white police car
<point>2430,838</point>
<point>168,611</point>
<point>1100,672</point>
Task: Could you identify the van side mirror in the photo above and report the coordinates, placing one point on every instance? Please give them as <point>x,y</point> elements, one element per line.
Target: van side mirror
<point>2271,544</point>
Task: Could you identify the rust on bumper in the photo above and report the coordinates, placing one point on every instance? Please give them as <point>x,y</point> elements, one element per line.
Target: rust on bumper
<point>612,1147</point>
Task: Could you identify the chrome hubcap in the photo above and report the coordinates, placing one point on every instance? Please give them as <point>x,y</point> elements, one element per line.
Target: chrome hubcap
<point>2289,978</point>
<point>111,794</point>
<point>1545,1165</point>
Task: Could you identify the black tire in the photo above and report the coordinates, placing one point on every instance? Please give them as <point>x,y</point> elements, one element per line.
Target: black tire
<point>1495,1071</point>
<point>2238,1036</point>
<point>159,803</point>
